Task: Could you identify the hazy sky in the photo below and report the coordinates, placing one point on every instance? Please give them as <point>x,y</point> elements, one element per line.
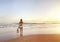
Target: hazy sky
<point>29,10</point>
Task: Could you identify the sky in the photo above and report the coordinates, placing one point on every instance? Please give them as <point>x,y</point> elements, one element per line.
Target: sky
<point>29,10</point>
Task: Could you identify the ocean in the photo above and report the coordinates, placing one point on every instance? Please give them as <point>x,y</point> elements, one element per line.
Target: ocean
<point>9,30</point>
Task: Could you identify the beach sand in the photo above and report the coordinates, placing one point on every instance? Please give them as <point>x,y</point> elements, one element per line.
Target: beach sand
<point>37,38</point>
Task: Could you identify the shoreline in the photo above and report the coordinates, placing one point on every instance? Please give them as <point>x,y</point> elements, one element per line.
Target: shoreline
<point>37,38</point>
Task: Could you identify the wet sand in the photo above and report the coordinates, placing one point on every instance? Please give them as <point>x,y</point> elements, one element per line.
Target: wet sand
<point>37,38</point>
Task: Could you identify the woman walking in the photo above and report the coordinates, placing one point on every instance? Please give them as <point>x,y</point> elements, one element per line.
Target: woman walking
<point>20,27</point>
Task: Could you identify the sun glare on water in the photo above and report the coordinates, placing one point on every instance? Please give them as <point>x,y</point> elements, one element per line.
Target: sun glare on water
<point>58,30</point>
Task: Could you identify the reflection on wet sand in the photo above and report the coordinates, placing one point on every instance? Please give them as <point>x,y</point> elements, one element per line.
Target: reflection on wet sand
<point>20,30</point>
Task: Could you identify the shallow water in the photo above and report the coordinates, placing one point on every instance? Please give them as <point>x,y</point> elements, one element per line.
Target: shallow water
<point>9,31</point>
